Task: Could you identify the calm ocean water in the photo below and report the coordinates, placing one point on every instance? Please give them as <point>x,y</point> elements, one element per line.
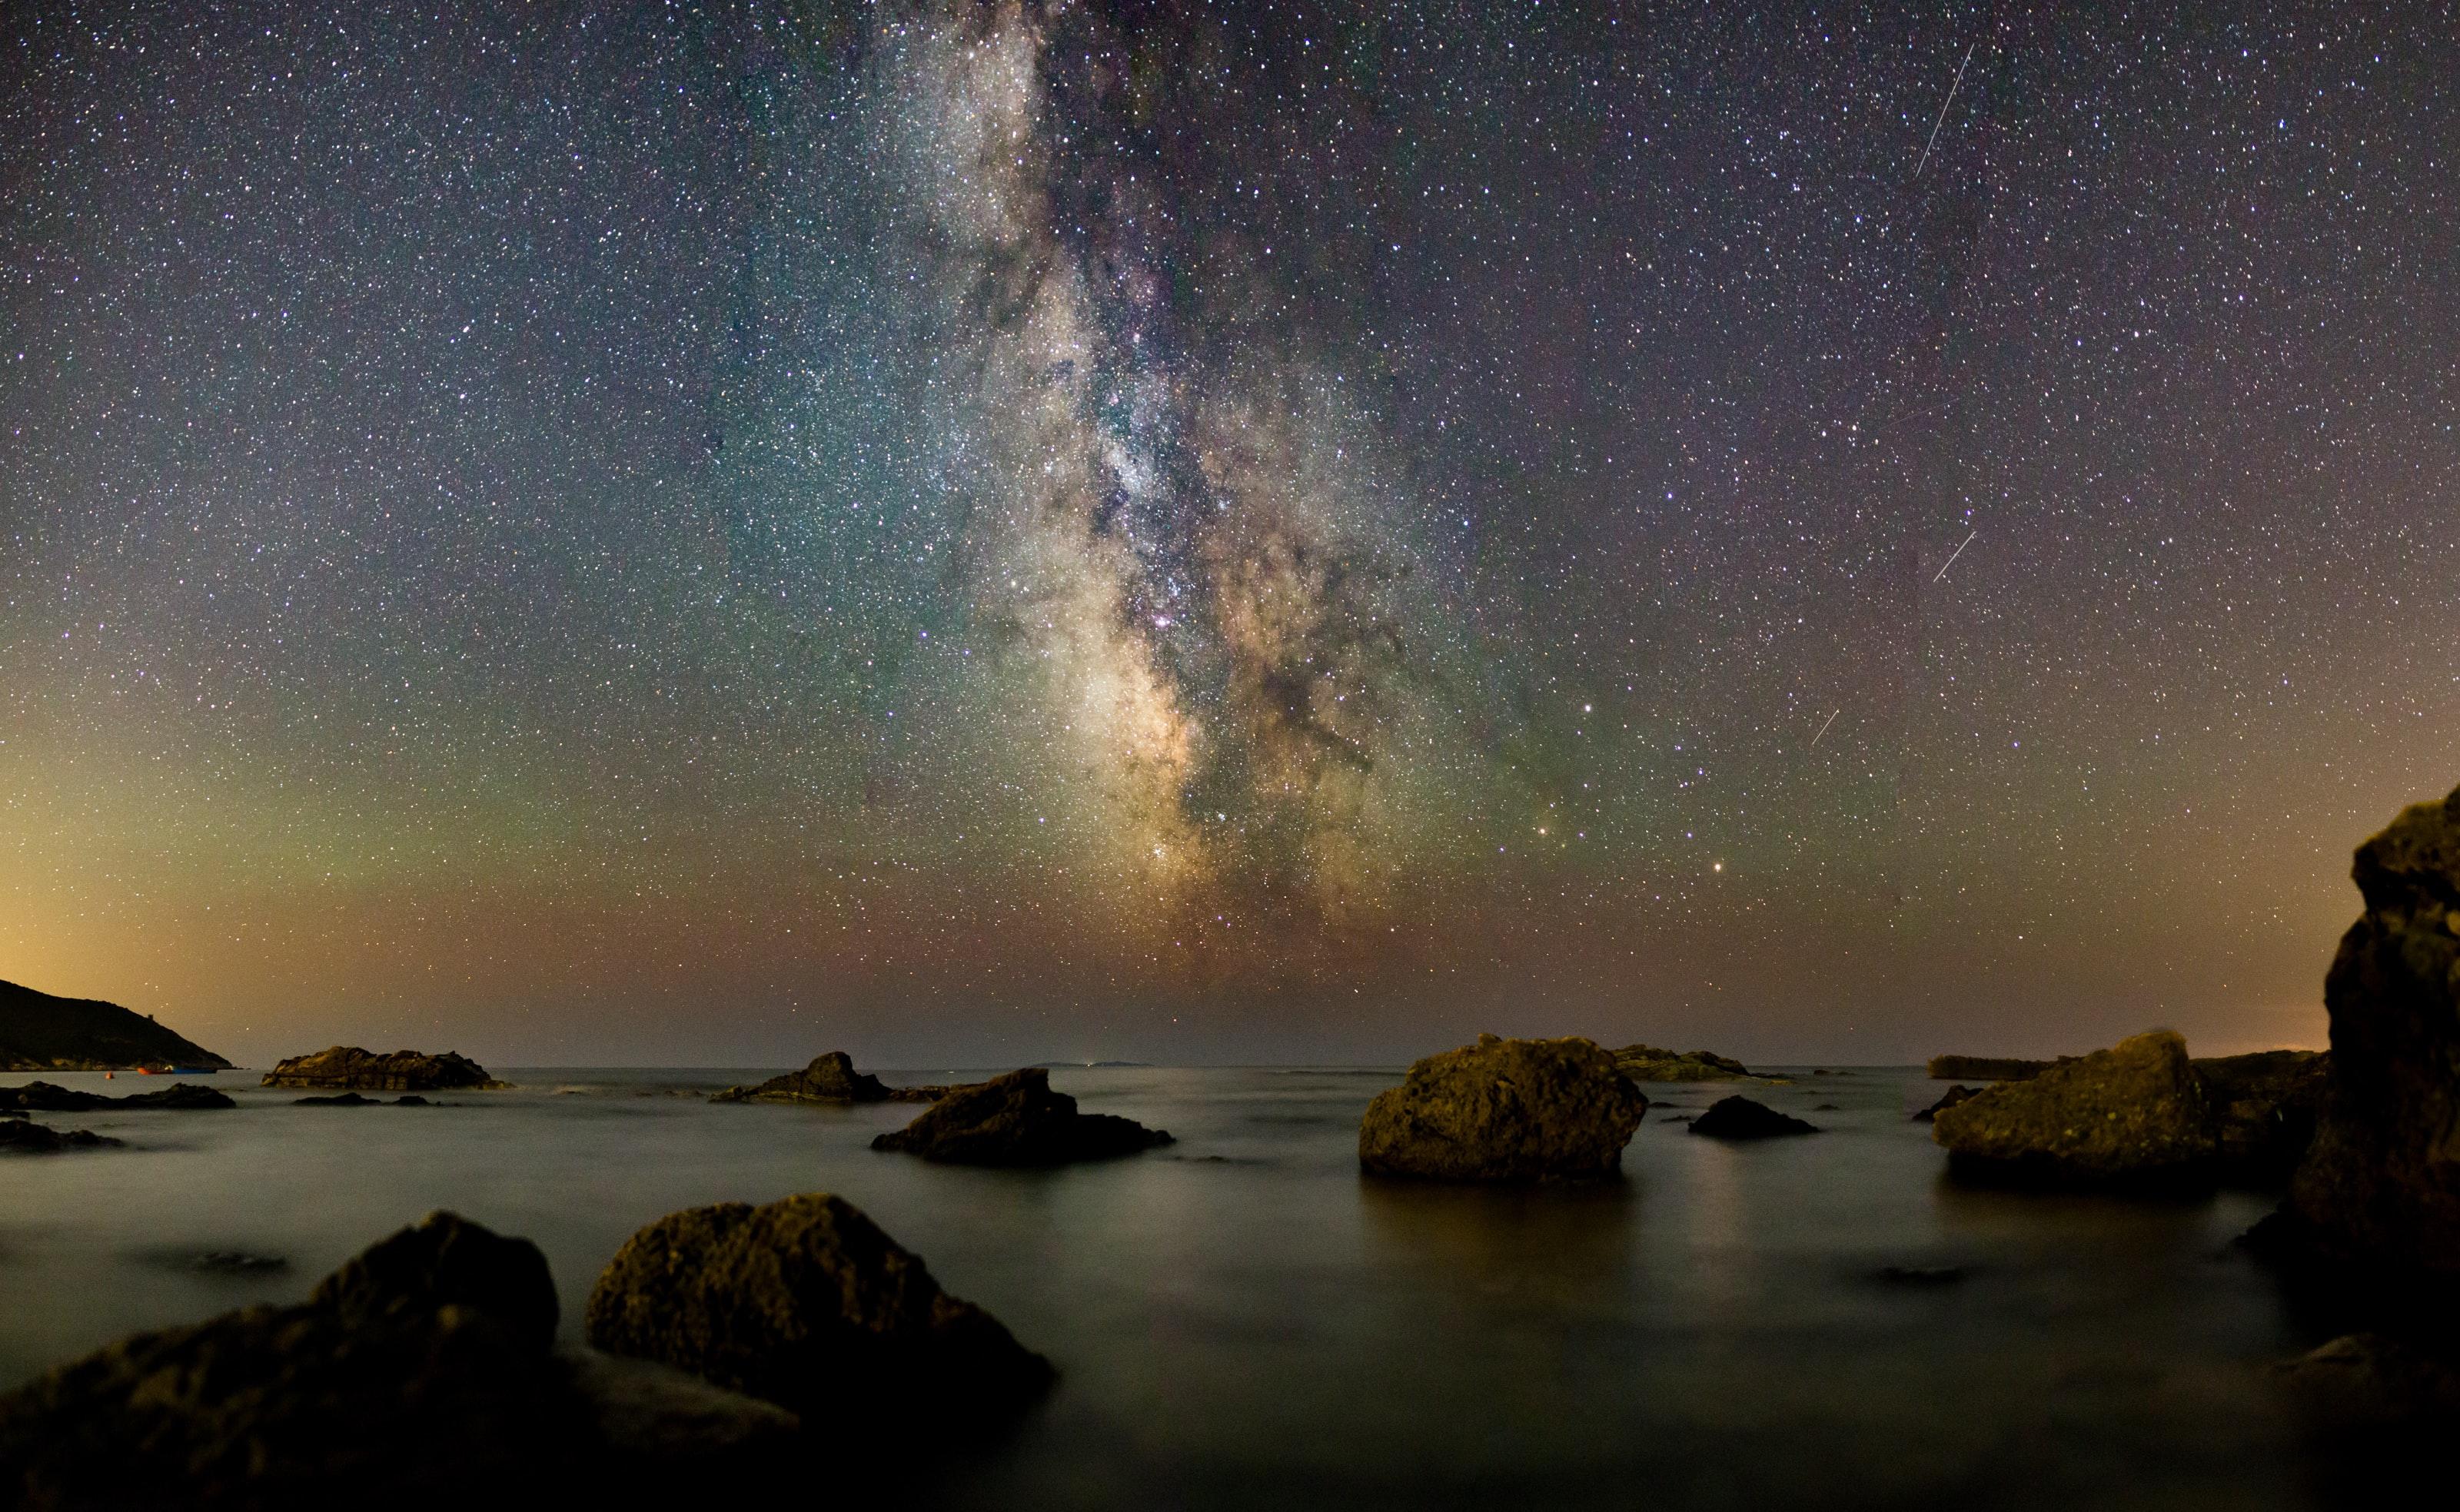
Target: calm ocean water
<point>1242,1320</point>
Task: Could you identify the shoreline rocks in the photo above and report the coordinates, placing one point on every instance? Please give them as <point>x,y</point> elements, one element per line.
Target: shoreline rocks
<point>1505,1109</point>
<point>347,1067</point>
<point>42,1096</point>
<point>1016,1119</point>
<point>1740,1119</point>
<point>807,1304</point>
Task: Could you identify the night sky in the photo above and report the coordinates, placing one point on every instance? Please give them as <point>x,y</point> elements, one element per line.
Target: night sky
<point>705,534</point>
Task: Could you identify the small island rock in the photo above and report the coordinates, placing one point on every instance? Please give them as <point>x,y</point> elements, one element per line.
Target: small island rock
<point>1505,1110</point>
<point>2134,1114</point>
<point>1742,1118</point>
<point>806,1303</point>
<point>1649,1063</point>
<point>347,1067</point>
<point>42,1096</point>
<point>1016,1119</point>
<point>828,1079</point>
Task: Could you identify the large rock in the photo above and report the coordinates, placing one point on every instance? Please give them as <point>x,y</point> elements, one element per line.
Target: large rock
<point>22,1136</point>
<point>2381,1189</point>
<point>2132,1114</point>
<point>828,1079</point>
<point>1016,1119</point>
<point>419,1372</point>
<point>42,1033</point>
<point>807,1304</point>
<point>1505,1110</point>
<point>1742,1118</point>
<point>347,1067</point>
<point>43,1097</point>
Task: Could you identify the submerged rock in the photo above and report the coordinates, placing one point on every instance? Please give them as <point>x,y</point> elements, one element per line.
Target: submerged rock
<point>2133,1114</point>
<point>1948,1099</point>
<point>1742,1118</point>
<point>349,1068</point>
<point>1505,1109</point>
<point>807,1304</point>
<point>419,1372</point>
<point>1016,1119</point>
<point>2380,1190</point>
<point>45,1097</point>
<point>24,1136</point>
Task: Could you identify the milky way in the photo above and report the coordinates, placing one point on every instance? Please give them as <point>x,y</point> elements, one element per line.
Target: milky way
<point>712,532</point>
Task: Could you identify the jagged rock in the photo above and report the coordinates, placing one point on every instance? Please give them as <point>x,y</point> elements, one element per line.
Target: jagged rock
<point>1742,1118</point>
<point>2135,1114</point>
<point>45,1097</point>
<point>1649,1063</point>
<point>807,1304</point>
<point>2264,1107</point>
<point>1505,1110</point>
<point>1016,1119</point>
<point>420,1371</point>
<point>1948,1099</point>
<point>347,1067</point>
<point>828,1079</point>
<point>26,1138</point>
<point>1989,1068</point>
<point>42,1033</point>
<point>2380,1190</point>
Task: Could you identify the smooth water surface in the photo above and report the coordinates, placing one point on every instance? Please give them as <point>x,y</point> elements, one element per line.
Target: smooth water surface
<point>1242,1320</point>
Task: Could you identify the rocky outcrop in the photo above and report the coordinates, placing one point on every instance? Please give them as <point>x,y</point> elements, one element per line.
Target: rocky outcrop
<point>1016,1119</point>
<point>416,1373</point>
<point>807,1304</point>
<point>42,1033</point>
<point>1989,1068</point>
<point>832,1078</point>
<point>42,1096</point>
<point>347,1067</point>
<point>2135,1114</point>
<point>23,1136</point>
<point>1505,1110</point>
<point>1947,1099</point>
<point>1649,1063</point>
<point>2380,1190</point>
<point>1742,1118</point>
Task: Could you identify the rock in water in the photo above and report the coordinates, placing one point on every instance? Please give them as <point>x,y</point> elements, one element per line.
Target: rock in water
<point>2264,1107</point>
<point>1742,1118</point>
<point>2381,1187</point>
<point>1505,1110</point>
<point>807,1304</point>
<point>349,1068</point>
<point>43,1097</point>
<point>1949,1099</point>
<point>2132,1114</point>
<point>1649,1063</point>
<point>828,1079</point>
<point>1016,1119</point>
<point>21,1136</point>
<point>416,1373</point>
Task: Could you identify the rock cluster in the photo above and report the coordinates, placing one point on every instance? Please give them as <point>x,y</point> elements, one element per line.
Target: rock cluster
<point>1016,1119</point>
<point>347,1067</point>
<point>1505,1109</point>
<point>807,1304</point>
<point>417,1372</point>
<point>1649,1063</point>
<point>1742,1118</point>
<point>42,1096</point>
<point>2380,1190</point>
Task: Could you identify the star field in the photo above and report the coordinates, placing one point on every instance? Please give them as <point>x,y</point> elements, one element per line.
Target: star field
<point>701,534</point>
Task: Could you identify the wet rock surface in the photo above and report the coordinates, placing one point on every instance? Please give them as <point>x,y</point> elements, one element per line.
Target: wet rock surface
<point>807,1304</point>
<point>43,1097</point>
<point>2135,1114</point>
<point>2379,1192</point>
<point>1016,1119</point>
<point>1742,1118</point>
<point>1505,1109</point>
<point>347,1067</point>
<point>420,1371</point>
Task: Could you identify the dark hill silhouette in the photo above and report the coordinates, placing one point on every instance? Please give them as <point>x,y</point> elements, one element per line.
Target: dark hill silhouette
<point>42,1033</point>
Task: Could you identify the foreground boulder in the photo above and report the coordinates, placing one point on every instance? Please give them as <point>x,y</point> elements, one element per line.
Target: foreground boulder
<point>347,1067</point>
<point>1742,1118</point>
<point>2132,1114</point>
<point>23,1136</point>
<point>418,1371</point>
<point>42,1096</point>
<point>1016,1119</point>
<point>1505,1110</point>
<point>1649,1063</point>
<point>2380,1190</point>
<point>807,1304</point>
